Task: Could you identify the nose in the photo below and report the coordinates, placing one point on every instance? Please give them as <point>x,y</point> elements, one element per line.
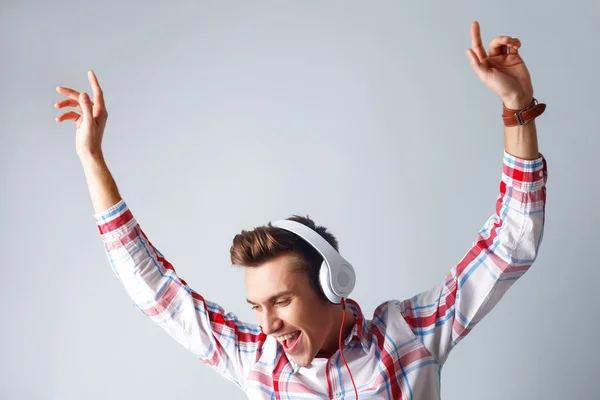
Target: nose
<point>270,322</point>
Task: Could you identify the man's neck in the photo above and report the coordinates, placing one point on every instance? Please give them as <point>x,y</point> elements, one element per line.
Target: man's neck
<point>331,345</point>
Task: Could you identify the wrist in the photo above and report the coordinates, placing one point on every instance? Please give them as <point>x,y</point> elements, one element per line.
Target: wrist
<point>518,101</point>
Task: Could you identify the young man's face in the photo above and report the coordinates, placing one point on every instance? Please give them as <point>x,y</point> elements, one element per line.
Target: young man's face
<point>287,304</point>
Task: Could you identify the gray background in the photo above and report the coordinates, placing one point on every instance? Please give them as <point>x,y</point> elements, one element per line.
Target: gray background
<point>226,115</point>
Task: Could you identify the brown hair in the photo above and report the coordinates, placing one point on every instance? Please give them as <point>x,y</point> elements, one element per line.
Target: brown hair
<point>264,243</point>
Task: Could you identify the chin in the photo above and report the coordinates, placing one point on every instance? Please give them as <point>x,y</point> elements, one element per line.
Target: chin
<point>303,359</point>
<point>306,355</point>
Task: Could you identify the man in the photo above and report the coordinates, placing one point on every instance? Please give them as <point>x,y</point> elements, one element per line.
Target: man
<point>295,352</point>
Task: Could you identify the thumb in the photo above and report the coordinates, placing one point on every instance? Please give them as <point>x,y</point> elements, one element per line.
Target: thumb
<point>477,66</point>
<point>86,105</point>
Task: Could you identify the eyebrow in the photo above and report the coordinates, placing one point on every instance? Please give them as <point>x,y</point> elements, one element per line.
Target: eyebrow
<point>274,297</point>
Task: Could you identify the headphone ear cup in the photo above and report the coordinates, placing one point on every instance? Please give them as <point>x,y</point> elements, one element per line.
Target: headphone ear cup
<point>324,281</point>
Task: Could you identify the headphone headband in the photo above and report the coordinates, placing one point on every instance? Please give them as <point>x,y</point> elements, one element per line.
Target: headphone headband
<point>336,275</point>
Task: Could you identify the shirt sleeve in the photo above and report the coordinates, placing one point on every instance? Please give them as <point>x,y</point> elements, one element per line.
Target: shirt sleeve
<point>503,250</point>
<point>218,339</point>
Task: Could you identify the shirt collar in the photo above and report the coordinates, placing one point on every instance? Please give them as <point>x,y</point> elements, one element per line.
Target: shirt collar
<point>360,330</point>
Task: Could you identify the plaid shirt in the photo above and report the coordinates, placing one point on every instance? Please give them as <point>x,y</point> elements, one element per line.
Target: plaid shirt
<point>396,354</point>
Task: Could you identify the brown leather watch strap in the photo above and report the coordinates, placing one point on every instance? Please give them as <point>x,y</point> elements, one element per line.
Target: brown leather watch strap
<point>521,117</point>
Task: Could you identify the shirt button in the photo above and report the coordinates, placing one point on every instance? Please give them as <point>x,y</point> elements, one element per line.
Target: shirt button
<point>541,173</point>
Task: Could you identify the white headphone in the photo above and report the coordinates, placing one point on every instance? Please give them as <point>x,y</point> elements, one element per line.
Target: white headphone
<point>336,275</point>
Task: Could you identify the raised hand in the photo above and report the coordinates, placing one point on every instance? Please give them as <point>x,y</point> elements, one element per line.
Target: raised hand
<point>503,70</point>
<point>92,120</point>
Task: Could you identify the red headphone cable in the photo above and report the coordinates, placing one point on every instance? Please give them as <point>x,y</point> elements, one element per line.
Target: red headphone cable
<point>343,358</point>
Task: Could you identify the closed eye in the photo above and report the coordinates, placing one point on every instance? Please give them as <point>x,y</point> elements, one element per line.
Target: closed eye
<point>281,303</point>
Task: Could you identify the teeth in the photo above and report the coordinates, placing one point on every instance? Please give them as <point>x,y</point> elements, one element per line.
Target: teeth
<point>286,337</point>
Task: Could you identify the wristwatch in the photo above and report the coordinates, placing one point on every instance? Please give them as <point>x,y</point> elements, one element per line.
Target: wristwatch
<point>521,117</point>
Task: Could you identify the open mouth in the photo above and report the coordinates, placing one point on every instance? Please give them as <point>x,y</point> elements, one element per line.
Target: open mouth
<point>290,342</point>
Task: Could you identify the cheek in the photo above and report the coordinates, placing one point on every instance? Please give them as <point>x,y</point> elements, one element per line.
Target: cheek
<point>302,317</point>
<point>287,316</point>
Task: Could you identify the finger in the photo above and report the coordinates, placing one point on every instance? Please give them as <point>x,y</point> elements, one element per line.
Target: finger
<point>476,41</point>
<point>504,45</point>
<point>97,90</point>
<point>67,103</point>
<point>86,105</point>
<point>480,69</point>
<point>70,115</point>
<point>514,49</point>
<point>73,94</point>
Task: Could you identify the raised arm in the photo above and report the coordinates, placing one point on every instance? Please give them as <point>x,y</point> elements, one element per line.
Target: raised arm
<point>508,243</point>
<point>503,250</point>
<point>218,339</point>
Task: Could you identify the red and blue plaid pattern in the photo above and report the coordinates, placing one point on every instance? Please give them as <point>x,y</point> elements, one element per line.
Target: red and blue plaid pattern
<point>397,354</point>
